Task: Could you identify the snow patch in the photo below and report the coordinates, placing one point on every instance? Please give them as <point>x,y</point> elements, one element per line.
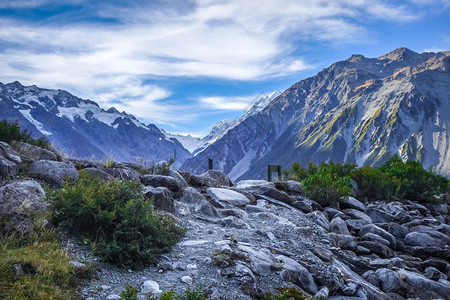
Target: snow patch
<point>26,113</point>
<point>242,166</point>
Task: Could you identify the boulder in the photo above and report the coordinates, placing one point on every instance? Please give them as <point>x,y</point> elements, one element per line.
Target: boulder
<point>105,177</point>
<point>304,206</point>
<point>292,188</point>
<point>53,172</point>
<point>33,152</point>
<point>350,202</point>
<point>379,216</point>
<point>161,181</point>
<point>346,242</point>
<point>206,209</point>
<point>320,219</point>
<point>371,228</point>
<point>297,274</point>
<point>390,281</point>
<point>398,230</point>
<point>356,224</point>
<point>163,198</point>
<point>191,196</point>
<point>228,196</point>
<point>219,177</point>
<point>377,248</point>
<point>337,225</point>
<point>19,201</point>
<point>264,188</point>
<point>10,161</point>
<point>356,214</point>
<point>422,239</point>
<point>375,238</point>
<point>418,286</point>
<point>434,274</point>
<point>124,173</point>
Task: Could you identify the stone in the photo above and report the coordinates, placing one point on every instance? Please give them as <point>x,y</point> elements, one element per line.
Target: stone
<point>218,176</point>
<point>375,238</point>
<point>377,248</point>
<point>162,198</point>
<point>379,216</point>
<point>322,253</point>
<point>356,225</point>
<point>434,274</point>
<point>113,297</point>
<point>350,202</point>
<point>332,212</point>
<point>53,172</point>
<point>264,188</point>
<point>398,230</point>
<point>297,274</point>
<point>356,214</point>
<point>206,209</point>
<point>343,241</point>
<point>105,177</point>
<point>320,219</point>
<point>261,261</point>
<point>371,277</point>
<point>255,209</point>
<point>228,196</point>
<point>124,173</point>
<point>292,188</point>
<point>437,263</point>
<point>390,281</point>
<point>191,196</point>
<point>33,152</point>
<point>246,279</point>
<point>421,239</point>
<point>337,225</point>
<point>187,279</point>
<point>10,161</point>
<point>161,181</point>
<point>150,286</point>
<point>303,206</point>
<point>322,294</point>
<point>418,286</point>
<point>371,228</point>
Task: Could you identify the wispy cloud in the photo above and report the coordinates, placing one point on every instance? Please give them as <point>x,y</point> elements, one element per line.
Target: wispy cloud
<point>227,103</point>
<point>230,40</point>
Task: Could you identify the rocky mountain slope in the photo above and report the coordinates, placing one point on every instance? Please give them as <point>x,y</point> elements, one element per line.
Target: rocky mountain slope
<point>80,128</point>
<point>250,238</point>
<point>361,110</point>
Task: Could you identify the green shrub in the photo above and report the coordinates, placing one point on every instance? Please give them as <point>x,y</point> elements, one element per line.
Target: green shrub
<point>286,293</point>
<point>115,219</point>
<point>11,132</point>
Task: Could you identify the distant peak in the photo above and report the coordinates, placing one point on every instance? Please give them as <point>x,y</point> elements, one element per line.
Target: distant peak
<point>401,54</point>
<point>113,110</point>
<point>355,58</point>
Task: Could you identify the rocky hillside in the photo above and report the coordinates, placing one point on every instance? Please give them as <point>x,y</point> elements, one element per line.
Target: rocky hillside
<point>80,128</point>
<point>361,110</point>
<point>251,237</point>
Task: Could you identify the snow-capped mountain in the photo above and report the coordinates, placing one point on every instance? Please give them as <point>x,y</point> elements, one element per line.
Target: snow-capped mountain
<point>81,129</point>
<point>223,126</point>
<point>361,110</point>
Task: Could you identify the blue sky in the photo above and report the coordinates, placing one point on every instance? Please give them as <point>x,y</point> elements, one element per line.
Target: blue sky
<point>186,64</point>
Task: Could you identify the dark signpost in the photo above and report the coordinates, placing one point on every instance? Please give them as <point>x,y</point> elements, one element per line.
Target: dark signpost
<point>210,164</point>
<point>271,169</point>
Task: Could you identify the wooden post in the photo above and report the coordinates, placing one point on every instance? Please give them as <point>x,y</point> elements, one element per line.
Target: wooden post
<point>210,164</point>
<point>271,169</point>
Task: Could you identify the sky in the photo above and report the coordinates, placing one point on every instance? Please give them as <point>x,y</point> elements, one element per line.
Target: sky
<point>185,65</point>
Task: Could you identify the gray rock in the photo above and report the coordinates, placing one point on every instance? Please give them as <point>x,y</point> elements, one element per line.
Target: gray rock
<point>322,294</point>
<point>255,209</point>
<point>390,281</point>
<point>265,188</point>
<point>150,286</point>
<point>437,263</point>
<point>350,202</point>
<point>304,206</point>
<point>206,209</point>
<point>434,274</point>
<point>53,172</point>
<point>161,181</point>
<point>10,161</point>
<point>297,274</point>
<point>343,241</point>
<point>162,198</point>
<point>124,173</point>
<point>246,279</point>
<point>105,177</point>
<point>218,176</point>
<point>261,261</point>
<point>113,297</point>
<point>320,219</point>
<point>337,225</point>
<point>33,152</point>
<point>377,248</point>
<point>191,196</point>
<point>379,216</point>
<point>375,238</point>
<point>422,240</point>
<point>356,214</point>
<point>398,230</point>
<point>356,225</point>
<point>292,188</point>
<point>371,228</point>
<point>322,253</point>
<point>228,196</point>
<point>371,277</point>
<point>421,287</point>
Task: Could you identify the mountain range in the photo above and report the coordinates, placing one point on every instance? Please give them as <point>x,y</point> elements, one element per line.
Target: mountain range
<point>361,110</point>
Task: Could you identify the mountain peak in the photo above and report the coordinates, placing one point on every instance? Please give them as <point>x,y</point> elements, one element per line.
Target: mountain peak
<point>400,54</point>
<point>355,58</point>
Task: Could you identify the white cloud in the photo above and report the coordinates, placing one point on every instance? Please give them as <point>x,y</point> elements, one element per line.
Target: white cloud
<point>233,39</point>
<point>227,103</point>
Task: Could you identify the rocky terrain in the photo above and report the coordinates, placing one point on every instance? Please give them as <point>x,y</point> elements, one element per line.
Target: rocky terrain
<point>361,110</point>
<point>253,236</point>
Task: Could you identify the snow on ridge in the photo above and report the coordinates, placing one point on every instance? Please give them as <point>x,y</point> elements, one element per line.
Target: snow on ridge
<point>26,113</point>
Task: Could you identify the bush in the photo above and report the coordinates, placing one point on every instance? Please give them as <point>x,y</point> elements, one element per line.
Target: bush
<point>130,293</point>
<point>286,293</point>
<point>11,132</point>
<point>115,220</point>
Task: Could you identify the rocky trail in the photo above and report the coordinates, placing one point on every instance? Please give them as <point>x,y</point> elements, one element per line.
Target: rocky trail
<point>252,237</point>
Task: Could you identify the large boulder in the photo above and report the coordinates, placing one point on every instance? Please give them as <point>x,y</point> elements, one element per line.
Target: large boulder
<point>320,219</point>
<point>219,177</point>
<point>390,281</point>
<point>228,196</point>
<point>419,286</point>
<point>337,225</point>
<point>33,152</point>
<point>264,188</point>
<point>292,188</point>
<point>371,228</point>
<point>297,274</point>
<point>10,161</point>
<point>124,173</point>
<point>350,202</point>
<point>19,201</point>
<point>105,177</point>
<point>162,198</point>
<point>161,181</point>
<point>53,172</point>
